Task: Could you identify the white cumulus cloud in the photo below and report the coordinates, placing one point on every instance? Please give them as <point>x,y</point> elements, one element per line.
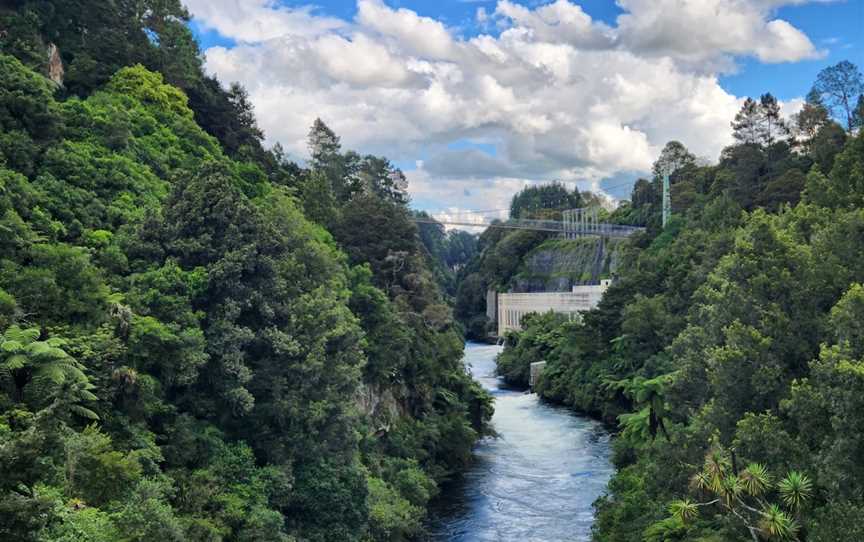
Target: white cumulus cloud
<point>259,20</point>
<point>557,94</point>
<point>707,31</point>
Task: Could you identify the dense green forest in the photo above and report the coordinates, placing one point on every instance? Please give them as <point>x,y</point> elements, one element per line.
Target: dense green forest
<point>729,353</point>
<point>201,340</point>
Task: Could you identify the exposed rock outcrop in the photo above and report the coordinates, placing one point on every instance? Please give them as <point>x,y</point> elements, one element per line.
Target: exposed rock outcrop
<point>379,406</point>
<point>559,264</point>
<point>55,65</point>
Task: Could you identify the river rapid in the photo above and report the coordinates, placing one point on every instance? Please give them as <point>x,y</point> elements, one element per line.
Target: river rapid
<point>535,481</point>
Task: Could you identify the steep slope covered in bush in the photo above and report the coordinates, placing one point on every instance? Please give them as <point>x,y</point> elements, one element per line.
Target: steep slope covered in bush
<point>729,353</point>
<point>186,354</point>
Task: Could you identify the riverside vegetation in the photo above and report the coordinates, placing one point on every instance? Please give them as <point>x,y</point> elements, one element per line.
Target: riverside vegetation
<point>730,350</point>
<point>199,339</point>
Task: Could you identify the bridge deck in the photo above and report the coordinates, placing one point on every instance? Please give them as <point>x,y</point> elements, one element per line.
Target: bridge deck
<point>570,228</point>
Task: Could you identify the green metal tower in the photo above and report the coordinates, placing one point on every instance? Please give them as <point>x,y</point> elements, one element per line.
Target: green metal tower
<point>667,201</point>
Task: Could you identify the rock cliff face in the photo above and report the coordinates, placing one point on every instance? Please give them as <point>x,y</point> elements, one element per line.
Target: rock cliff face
<point>380,406</point>
<point>55,65</point>
<point>559,264</point>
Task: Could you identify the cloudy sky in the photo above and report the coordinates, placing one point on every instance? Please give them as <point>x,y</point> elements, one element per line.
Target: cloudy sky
<point>475,99</point>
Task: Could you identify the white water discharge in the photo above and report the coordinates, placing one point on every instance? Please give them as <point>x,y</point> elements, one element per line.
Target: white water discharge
<point>535,481</point>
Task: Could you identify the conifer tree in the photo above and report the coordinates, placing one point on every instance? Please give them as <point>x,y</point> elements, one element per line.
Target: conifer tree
<point>748,127</point>
<point>807,122</point>
<point>774,126</point>
<point>839,85</point>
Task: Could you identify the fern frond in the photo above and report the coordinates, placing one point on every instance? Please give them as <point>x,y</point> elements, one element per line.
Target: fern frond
<point>84,412</point>
<point>53,373</point>
<point>25,336</point>
<point>11,346</point>
<point>15,361</point>
<point>75,374</point>
<point>38,349</point>
<point>57,342</point>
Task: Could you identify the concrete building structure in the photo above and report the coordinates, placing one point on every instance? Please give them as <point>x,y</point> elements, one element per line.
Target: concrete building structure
<point>513,307</point>
<point>491,305</point>
<point>534,373</point>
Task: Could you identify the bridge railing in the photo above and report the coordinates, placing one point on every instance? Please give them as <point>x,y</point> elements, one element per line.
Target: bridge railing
<point>569,228</point>
<point>597,228</point>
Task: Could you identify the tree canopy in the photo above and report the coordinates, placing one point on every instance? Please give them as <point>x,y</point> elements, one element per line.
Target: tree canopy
<point>728,354</point>
<point>199,339</point>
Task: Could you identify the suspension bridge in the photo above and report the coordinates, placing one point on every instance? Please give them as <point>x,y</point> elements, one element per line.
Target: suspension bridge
<point>509,308</point>
<point>583,222</point>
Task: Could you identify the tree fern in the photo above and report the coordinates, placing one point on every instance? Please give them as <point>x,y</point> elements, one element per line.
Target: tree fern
<point>44,366</point>
<point>14,362</point>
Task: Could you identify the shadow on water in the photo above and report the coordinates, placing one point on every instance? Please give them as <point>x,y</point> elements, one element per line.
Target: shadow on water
<point>535,481</point>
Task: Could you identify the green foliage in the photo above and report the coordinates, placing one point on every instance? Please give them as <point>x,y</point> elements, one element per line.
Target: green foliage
<point>542,336</point>
<point>776,524</point>
<point>795,489</point>
<point>8,309</point>
<point>75,522</point>
<point>96,473</point>
<point>147,515</point>
<point>742,495</point>
<point>844,187</point>
<point>684,510</point>
<point>149,88</point>
<point>391,516</point>
<point>755,479</point>
<point>340,177</point>
<point>836,521</point>
<point>544,201</point>
<point>183,352</point>
<point>58,284</point>
<point>168,351</point>
<point>847,320</point>
<point>28,116</point>
<point>650,395</point>
<point>729,350</point>
<point>330,502</point>
<point>39,372</point>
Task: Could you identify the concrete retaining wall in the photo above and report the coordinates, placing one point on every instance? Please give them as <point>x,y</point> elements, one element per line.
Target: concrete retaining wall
<point>513,307</point>
<point>536,368</point>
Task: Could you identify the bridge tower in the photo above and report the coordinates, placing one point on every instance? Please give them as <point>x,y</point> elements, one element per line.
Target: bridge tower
<point>581,221</point>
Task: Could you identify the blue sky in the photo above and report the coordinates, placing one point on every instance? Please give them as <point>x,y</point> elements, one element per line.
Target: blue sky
<point>835,27</point>
<point>568,102</point>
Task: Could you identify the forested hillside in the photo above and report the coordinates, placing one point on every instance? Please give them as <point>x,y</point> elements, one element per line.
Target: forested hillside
<point>730,352</point>
<point>199,339</point>
<point>202,340</point>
